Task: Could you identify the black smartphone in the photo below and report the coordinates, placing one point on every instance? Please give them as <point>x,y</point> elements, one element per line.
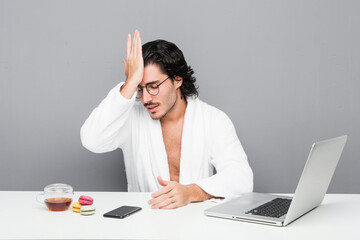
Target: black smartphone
<point>122,212</point>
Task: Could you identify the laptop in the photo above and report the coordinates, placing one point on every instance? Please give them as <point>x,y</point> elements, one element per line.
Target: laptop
<point>277,210</point>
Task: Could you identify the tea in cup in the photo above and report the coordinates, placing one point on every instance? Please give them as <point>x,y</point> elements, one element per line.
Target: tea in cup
<point>57,197</point>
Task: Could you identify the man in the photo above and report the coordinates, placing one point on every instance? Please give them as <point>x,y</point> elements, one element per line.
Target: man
<point>170,139</point>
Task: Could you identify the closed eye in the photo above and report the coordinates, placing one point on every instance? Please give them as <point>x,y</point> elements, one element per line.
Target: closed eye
<point>152,86</point>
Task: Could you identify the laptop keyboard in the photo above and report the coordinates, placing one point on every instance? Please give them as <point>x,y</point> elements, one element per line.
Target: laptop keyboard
<point>275,208</point>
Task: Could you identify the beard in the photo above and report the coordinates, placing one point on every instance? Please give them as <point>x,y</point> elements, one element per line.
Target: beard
<point>171,102</point>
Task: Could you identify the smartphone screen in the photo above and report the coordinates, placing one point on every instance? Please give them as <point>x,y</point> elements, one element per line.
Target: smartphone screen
<point>122,212</point>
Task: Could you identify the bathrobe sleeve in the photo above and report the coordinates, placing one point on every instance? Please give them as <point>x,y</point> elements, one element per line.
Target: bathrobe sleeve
<point>108,125</point>
<point>234,175</point>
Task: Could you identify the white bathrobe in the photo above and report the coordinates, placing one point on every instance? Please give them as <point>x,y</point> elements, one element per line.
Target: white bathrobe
<point>208,140</point>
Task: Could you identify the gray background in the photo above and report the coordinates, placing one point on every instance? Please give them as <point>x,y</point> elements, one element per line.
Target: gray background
<point>286,72</point>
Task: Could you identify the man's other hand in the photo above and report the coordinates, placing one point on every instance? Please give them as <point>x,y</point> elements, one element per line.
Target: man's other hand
<point>174,195</point>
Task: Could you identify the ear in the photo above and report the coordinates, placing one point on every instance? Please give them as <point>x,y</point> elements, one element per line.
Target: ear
<point>178,81</point>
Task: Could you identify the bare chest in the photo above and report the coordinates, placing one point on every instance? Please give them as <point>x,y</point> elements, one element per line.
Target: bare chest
<point>172,140</point>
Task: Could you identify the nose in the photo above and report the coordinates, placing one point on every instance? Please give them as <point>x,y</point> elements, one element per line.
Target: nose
<point>146,97</point>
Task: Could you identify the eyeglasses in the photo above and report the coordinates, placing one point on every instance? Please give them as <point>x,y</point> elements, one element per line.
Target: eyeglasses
<point>152,88</point>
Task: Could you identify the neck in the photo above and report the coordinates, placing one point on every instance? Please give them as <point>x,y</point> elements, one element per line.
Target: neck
<point>177,112</point>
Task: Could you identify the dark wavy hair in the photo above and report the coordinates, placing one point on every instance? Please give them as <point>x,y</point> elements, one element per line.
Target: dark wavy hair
<point>171,62</point>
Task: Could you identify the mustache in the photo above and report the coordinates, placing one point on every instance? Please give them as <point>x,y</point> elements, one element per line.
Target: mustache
<point>150,103</point>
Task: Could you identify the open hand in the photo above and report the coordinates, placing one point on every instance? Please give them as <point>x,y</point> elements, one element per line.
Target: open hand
<point>134,63</point>
<point>172,195</point>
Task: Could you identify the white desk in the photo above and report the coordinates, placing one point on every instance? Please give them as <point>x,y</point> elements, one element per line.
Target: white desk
<point>21,216</point>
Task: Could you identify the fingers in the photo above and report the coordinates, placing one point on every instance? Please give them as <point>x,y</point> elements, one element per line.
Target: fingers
<point>132,48</point>
<point>134,66</point>
<point>167,187</point>
<point>170,206</point>
<point>173,195</point>
<point>162,191</point>
<point>125,67</point>
<point>162,195</point>
<point>162,201</point>
<point>139,45</point>
<point>134,44</point>
<point>162,182</point>
<point>166,201</point>
<point>128,45</point>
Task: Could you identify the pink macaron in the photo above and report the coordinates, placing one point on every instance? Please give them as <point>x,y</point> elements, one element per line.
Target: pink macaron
<point>85,200</point>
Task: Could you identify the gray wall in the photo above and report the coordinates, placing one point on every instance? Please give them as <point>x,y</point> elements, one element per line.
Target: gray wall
<point>286,72</point>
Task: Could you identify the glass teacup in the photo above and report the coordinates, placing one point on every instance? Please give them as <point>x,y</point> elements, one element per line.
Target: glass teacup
<point>57,197</point>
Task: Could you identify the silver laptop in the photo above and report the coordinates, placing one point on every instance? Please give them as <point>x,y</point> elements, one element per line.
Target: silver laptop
<point>280,210</point>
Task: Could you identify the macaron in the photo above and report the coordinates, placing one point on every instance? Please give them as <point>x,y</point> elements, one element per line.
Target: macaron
<point>87,210</point>
<point>76,207</point>
<point>86,200</point>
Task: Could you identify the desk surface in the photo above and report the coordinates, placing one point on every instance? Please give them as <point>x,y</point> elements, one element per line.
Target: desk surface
<point>21,216</point>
